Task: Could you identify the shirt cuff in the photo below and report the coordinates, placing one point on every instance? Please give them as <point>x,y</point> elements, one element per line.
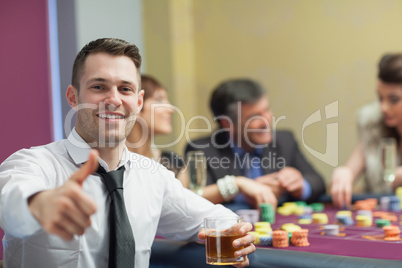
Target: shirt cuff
<point>306,193</point>
<point>19,221</point>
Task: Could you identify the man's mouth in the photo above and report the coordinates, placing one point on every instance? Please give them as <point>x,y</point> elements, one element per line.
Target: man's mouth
<point>111,116</point>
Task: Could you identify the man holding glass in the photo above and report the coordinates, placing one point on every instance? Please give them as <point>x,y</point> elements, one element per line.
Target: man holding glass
<point>246,153</point>
<point>86,201</point>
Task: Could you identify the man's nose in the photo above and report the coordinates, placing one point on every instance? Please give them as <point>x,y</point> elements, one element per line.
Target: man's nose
<point>113,98</point>
<point>384,106</point>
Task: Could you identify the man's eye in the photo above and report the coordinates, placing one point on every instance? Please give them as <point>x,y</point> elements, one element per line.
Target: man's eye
<point>97,87</point>
<point>126,89</point>
<point>394,100</point>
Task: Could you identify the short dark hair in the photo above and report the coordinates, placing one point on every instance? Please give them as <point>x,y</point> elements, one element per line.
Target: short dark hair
<point>111,46</point>
<point>227,94</point>
<point>390,68</point>
<point>150,85</point>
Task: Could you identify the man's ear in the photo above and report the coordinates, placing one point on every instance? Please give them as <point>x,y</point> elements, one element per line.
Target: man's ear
<point>72,96</point>
<point>140,102</point>
<point>225,123</point>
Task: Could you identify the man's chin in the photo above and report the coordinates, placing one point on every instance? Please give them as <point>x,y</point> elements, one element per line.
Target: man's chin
<point>111,140</point>
<point>262,140</point>
<point>390,123</point>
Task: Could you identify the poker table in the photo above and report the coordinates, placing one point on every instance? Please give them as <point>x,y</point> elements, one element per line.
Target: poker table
<point>354,247</point>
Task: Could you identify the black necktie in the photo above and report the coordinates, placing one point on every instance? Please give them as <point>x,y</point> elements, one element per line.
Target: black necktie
<point>121,244</point>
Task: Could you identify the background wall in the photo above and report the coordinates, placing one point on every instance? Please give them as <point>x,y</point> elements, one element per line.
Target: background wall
<point>25,108</point>
<point>81,21</point>
<point>308,54</point>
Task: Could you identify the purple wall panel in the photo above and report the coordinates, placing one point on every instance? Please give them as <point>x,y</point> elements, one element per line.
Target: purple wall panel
<point>25,108</point>
<point>25,102</point>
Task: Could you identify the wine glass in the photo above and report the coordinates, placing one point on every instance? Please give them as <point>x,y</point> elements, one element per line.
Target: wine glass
<point>197,170</point>
<point>388,154</point>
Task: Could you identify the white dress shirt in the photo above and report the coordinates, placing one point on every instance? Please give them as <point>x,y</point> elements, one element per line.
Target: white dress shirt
<point>156,204</point>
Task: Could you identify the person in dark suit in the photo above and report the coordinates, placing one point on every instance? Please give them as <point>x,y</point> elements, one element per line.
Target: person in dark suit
<point>246,152</point>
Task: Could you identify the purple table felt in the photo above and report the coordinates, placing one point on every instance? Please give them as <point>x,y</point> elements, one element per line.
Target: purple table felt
<point>365,242</point>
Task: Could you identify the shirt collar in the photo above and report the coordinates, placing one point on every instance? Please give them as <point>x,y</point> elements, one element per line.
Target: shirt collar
<point>241,152</point>
<point>79,150</point>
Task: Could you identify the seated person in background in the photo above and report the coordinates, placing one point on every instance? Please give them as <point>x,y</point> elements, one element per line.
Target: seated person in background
<point>375,121</point>
<point>155,119</point>
<point>60,208</point>
<point>247,149</point>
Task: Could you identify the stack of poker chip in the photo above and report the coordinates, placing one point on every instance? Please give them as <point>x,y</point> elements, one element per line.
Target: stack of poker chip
<point>365,212</point>
<point>320,218</point>
<point>372,201</point>
<point>344,217</point>
<point>305,219</point>
<point>308,210</point>
<point>382,222</point>
<point>299,238</point>
<point>384,203</point>
<point>344,213</point>
<point>290,227</point>
<point>391,233</point>
<point>267,213</point>
<point>385,216</point>
<point>265,240</point>
<point>263,228</point>
<point>285,211</point>
<point>394,203</point>
<point>302,203</point>
<point>390,203</point>
<point>331,229</point>
<point>364,205</point>
<point>299,210</point>
<point>280,239</point>
<point>249,215</point>
<point>364,220</point>
<point>317,207</point>
<point>287,208</point>
<point>398,193</point>
<point>256,236</point>
<point>291,205</point>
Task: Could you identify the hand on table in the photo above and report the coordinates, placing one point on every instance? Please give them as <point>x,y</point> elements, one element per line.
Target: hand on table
<point>272,181</point>
<point>292,181</point>
<point>246,241</point>
<point>66,210</point>
<point>341,187</point>
<point>398,178</point>
<point>256,192</point>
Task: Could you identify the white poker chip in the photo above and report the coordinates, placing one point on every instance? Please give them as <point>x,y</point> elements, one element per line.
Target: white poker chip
<point>331,229</point>
<point>365,212</point>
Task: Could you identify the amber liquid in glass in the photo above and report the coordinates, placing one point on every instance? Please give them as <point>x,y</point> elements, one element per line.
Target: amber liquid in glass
<point>220,250</point>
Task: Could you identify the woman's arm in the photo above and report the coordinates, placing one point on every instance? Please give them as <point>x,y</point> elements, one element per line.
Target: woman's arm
<point>343,178</point>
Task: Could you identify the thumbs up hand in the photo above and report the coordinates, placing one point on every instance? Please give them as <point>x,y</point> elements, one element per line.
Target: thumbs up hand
<point>65,211</point>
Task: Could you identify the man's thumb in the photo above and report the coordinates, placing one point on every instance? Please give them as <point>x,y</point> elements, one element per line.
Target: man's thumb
<point>87,168</point>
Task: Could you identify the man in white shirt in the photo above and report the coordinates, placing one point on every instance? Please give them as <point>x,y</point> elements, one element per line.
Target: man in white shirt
<point>53,207</point>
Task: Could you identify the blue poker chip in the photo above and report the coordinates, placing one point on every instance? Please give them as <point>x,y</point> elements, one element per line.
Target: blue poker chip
<point>265,240</point>
<point>395,206</point>
<point>305,216</point>
<point>345,220</point>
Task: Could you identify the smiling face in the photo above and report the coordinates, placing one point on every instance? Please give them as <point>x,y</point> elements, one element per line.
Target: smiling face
<point>157,113</point>
<point>255,121</point>
<point>107,101</point>
<point>390,96</point>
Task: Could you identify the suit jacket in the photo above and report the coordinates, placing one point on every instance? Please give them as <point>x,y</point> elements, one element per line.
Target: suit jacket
<point>282,151</point>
